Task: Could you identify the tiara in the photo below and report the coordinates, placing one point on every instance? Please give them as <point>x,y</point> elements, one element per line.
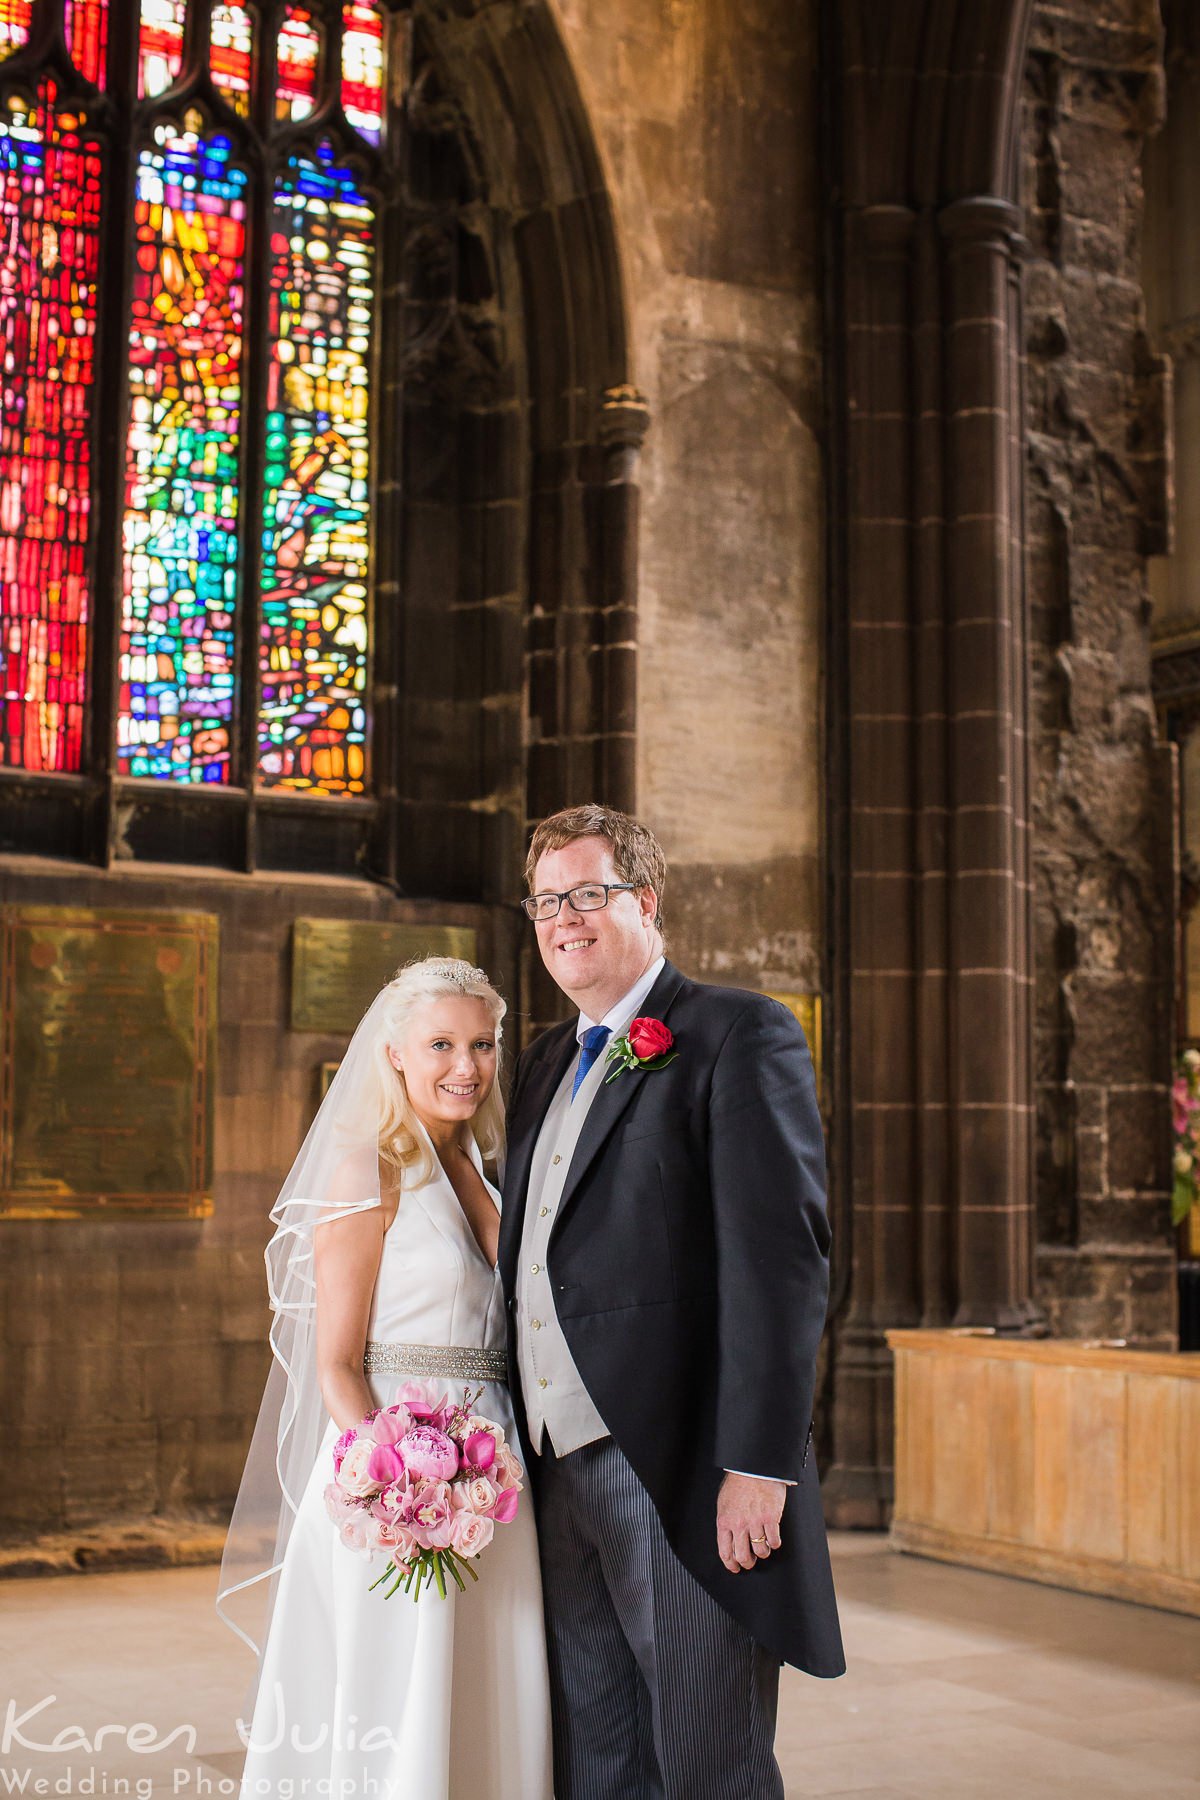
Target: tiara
<point>464,975</point>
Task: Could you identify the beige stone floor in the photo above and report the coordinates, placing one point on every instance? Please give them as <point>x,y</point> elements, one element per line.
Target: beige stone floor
<point>962,1686</point>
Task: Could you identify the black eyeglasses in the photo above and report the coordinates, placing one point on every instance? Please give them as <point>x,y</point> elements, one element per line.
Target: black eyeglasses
<point>590,896</point>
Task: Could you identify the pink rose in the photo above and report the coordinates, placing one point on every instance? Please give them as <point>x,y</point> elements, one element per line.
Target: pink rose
<point>469,1534</point>
<point>505,1509</point>
<point>428,1452</point>
<point>478,1495</point>
<point>507,1472</point>
<point>432,1511</point>
<point>355,1533</point>
<point>339,1505</point>
<point>355,1473</point>
<point>398,1540</point>
<point>341,1447</point>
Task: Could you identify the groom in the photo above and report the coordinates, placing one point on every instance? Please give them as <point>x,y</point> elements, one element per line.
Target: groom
<point>664,1249</point>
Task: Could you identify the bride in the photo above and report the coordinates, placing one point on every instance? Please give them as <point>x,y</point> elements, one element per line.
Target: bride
<point>382,1269</point>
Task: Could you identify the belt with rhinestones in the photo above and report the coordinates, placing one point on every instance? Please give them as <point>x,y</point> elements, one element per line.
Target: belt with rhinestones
<point>449,1362</point>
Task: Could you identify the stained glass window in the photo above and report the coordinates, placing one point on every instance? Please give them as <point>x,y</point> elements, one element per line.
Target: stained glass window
<point>232,49</point>
<point>87,37</point>
<point>362,68</point>
<point>238,508</point>
<point>181,509</point>
<point>50,191</point>
<point>296,69</point>
<point>316,535</point>
<point>160,45</point>
<point>14,24</point>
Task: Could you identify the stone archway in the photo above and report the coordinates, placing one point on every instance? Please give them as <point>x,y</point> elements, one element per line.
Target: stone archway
<point>515,597</point>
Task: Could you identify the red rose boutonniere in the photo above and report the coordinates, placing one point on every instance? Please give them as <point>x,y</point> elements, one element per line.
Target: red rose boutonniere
<point>647,1045</point>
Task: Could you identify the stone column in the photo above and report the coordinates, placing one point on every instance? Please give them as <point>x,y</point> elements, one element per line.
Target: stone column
<point>988,935</point>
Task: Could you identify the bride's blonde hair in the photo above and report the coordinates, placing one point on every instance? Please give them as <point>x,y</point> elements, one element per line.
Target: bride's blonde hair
<point>401,1141</point>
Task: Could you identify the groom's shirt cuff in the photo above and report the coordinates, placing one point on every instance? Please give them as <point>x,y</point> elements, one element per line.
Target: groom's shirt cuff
<point>746,1472</point>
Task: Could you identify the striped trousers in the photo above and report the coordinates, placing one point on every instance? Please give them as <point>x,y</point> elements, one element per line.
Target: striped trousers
<point>657,1693</point>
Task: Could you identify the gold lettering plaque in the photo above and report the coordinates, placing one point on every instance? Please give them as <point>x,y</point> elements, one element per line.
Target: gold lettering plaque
<point>339,965</point>
<point>108,1063</point>
<point>807,1008</point>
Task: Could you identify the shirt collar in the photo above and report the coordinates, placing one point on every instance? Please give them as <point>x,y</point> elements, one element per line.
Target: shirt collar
<point>625,1011</point>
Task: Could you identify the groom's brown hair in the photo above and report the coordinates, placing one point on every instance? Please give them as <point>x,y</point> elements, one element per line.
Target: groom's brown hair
<point>637,853</point>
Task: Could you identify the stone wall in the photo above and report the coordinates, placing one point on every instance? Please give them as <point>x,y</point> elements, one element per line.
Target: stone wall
<point>135,1351</point>
<point>707,118</point>
<point>1097,499</point>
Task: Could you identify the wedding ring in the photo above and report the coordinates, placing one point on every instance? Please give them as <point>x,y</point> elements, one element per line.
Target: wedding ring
<point>758,1540</point>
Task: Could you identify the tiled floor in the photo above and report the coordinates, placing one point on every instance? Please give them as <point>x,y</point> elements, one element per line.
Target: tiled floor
<point>961,1687</point>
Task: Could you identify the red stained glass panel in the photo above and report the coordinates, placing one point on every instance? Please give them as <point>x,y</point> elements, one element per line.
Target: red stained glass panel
<point>298,57</point>
<point>14,25</point>
<point>87,38</point>
<point>362,68</point>
<point>231,54</point>
<point>160,45</point>
<point>50,187</point>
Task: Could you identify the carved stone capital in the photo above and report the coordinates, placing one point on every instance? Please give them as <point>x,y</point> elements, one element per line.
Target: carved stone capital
<point>624,418</point>
<point>982,221</point>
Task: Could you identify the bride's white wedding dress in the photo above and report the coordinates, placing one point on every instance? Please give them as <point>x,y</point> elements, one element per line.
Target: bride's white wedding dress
<point>444,1699</point>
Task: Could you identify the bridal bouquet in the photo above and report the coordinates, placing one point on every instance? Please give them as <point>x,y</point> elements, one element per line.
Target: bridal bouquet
<point>427,1481</point>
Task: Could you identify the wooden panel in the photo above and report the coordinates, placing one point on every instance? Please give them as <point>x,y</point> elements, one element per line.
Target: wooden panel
<point>1152,1471</point>
<point>1051,1416</point>
<point>960,1453</point>
<point>1094,1515</point>
<point>1189,1482</point>
<point>1010,1451</point>
<point>1062,1462</point>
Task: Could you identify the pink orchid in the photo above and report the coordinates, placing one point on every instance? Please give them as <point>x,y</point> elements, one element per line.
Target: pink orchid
<point>390,1426</point>
<point>386,1464</point>
<point>479,1451</point>
<point>505,1509</point>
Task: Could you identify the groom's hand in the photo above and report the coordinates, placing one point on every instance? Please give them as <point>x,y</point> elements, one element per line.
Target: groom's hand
<point>748,1513</point>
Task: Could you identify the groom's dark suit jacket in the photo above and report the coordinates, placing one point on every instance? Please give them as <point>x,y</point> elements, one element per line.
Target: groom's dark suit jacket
<point>689,1264</point>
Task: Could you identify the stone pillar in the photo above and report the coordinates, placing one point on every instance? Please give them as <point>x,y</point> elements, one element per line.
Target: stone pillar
<point>938,901</point>
<point>988,937</point>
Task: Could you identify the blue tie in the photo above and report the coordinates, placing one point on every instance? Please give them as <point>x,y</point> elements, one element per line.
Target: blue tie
<point>592,1042</point>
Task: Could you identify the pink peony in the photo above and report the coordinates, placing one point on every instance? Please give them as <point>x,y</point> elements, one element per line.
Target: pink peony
<point>428,1452</point>
<point>505,1509</point>
<point>469,1533</point>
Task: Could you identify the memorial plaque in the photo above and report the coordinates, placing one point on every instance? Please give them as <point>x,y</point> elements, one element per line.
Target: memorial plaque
<point>108,1063</point>
<point>807,1008</point>
<point>339,965</point>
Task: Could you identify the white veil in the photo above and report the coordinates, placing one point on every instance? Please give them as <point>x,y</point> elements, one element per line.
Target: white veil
<point>336,1173</point>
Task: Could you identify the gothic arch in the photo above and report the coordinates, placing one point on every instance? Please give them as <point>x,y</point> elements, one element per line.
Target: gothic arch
<point>518,509</point>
